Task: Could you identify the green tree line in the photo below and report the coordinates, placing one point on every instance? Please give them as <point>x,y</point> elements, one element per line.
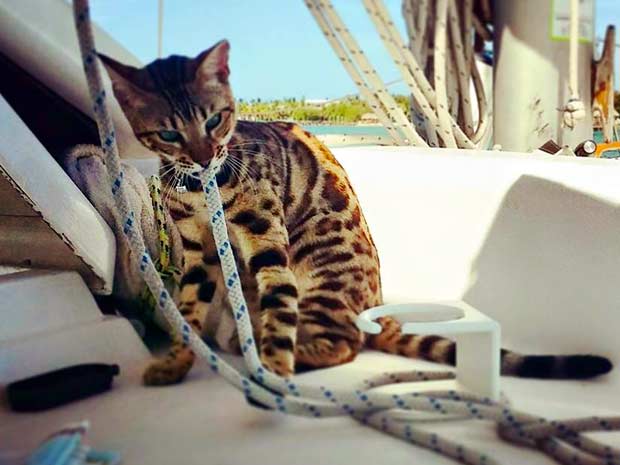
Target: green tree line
<point>348,110</point>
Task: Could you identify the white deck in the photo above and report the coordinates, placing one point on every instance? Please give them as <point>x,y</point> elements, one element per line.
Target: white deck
<point>204,421</point>
<point>529,240</point>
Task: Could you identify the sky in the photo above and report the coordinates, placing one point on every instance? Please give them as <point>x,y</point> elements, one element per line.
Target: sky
<point>277,50</point>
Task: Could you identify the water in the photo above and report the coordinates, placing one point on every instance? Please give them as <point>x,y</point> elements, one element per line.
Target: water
<point>350,130</point>
<point>354,130</point>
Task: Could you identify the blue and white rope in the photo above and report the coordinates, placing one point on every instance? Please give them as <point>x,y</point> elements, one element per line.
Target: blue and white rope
<point>561,440</point>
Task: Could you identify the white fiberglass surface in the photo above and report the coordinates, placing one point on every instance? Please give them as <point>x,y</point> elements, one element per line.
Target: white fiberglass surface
<point>529,240</point>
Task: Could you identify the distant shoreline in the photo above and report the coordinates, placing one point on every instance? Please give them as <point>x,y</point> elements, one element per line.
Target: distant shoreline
<point>320,123</point>
<point>342,123</point>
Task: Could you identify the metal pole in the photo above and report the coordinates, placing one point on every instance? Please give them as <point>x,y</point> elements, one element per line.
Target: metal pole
<point>574,43</point>
<point>531,79</point>
<point>160,28</point>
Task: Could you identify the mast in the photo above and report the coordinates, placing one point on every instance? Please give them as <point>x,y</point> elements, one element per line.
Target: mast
<point>532,77</point>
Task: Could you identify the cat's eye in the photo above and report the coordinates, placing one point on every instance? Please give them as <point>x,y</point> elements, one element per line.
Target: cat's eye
<point>169,136</point>
<point>213,122</point>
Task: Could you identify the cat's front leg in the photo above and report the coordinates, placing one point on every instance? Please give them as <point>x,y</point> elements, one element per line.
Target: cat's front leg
<point>263,244</point>
<point>199,284</point>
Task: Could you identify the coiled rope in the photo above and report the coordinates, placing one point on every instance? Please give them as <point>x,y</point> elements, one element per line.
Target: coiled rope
<point>562,440</point>
<point>436,105</point>
<point>456,43</point>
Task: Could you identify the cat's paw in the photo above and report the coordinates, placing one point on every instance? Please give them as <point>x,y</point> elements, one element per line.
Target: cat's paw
<point>281,363</point>
<point>165,372</point>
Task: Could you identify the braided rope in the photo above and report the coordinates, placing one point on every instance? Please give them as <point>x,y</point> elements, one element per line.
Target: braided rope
<point>160,219</point>
<point>368,92</point>
<point>440,123</point>
<point>561,440</point>
<point>451,77</point>
<point>347,49</point>
<point>411,65</point>
<point>419,38</point>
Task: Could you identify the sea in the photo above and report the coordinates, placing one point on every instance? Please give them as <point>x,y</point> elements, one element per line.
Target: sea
<point>349,130</point>
<point>376,130</point>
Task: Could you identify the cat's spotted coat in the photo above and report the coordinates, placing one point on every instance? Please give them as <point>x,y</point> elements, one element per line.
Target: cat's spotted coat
<point>306,257</point>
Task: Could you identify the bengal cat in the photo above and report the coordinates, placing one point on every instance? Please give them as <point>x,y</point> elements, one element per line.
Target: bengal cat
<point>307,260</point>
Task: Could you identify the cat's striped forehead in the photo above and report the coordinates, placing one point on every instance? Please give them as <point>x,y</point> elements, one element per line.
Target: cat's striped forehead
<point>169,78</point>
<point>170,73</point>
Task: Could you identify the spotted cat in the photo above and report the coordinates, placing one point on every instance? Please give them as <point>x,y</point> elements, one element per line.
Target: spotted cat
<point>307,260</point>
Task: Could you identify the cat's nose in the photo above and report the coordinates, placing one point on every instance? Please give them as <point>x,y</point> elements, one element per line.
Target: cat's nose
<point>202,153</point>
<point>202,157</point>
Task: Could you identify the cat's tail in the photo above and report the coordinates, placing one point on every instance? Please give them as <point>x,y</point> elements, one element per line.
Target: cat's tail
<point>442,350</point>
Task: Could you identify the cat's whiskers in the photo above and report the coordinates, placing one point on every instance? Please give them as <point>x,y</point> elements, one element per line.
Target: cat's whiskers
<point>230,166</point>
<point>168,158</point>
<point>261,155</point>
<point>170,186</point>
<point>175,184</point>
<point>233,159</point>
<point>244,170</point>
<point>241,161</point>
<point>166,196</point>
<point>249,141</point>
<point>246,144</point>
<point>175,194</point>
<point>172,173</point>
<point>166,172</point>
<point>240,170</point>
<point>235,169</point>
<point>239,150</point>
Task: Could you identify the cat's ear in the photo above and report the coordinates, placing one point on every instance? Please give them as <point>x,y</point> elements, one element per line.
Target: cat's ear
<point>127,82</point>
<point>213,63</point>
